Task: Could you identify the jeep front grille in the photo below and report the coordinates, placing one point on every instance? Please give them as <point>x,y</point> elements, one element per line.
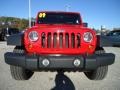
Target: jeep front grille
<point>60,40</point>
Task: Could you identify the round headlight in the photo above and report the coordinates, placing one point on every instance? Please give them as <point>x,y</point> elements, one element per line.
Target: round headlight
<point>88,37</point>
<point>33,36</point>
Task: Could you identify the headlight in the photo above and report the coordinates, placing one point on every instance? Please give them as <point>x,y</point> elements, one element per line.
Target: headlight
<point>88,37</point>
<point>33,36</point>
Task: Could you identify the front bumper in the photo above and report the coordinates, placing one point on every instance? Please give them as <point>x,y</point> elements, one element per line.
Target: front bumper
<point>34,62</point>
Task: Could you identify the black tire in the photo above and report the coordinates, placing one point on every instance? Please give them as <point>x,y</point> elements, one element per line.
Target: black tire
<point>101,72</point>
<point>99,50</point>
<point>20,73</point>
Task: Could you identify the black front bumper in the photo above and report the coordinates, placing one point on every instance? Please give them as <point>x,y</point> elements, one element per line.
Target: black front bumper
<point>34,62</point>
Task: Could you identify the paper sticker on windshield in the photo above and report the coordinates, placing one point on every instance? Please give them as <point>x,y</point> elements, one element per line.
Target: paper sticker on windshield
<point>42,15</point>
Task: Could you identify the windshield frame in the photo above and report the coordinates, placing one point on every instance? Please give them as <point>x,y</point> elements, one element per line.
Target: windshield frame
<point>71,13</point>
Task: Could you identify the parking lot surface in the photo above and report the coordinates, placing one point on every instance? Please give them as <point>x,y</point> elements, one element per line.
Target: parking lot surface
<point>54,81</point>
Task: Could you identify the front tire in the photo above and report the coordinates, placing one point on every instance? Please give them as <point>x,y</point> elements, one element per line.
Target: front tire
<point>20,73</point>
<point>99,73</point>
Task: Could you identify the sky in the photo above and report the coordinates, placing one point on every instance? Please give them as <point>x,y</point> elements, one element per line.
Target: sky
<point>94,12</point>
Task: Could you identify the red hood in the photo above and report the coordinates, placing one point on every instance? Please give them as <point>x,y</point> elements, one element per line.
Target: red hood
<point>59,27</point>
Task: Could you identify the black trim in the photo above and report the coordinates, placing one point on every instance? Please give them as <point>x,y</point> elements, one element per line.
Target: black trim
<point>34,62</point>
<point>104,41</point>
<point>61,61</point>
<point>16,39</point>
<point>98,60</point>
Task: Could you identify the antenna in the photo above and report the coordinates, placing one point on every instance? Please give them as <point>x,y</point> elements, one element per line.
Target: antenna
<point>29,13</point>
<point>67,7</point>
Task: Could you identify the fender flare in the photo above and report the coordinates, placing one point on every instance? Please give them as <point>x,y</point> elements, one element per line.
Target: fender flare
<point>104,41</point>
<point>16,39</point>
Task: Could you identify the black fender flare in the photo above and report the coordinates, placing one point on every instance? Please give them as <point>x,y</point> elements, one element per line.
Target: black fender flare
<point>16,39</point>
<point>104,41</point>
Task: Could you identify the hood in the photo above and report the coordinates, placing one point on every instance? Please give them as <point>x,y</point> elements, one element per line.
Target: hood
<point>57,26</point>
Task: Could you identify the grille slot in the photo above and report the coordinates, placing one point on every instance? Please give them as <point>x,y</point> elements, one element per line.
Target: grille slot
<point>43,40</point>
<point>54,40</point>
<point>49,40</point>
<point>73,40</point>
<point>67,40</point>
<point>78,40</point>
<point>60,40</point>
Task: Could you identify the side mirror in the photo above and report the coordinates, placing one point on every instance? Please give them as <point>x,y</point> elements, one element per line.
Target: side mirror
<point>85,24</point>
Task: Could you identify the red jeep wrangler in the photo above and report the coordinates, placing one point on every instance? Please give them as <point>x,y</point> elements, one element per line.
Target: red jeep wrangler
<point>58,42</point>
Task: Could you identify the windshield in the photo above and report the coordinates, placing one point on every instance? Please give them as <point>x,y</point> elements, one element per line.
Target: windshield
<point>58,18</point>
<point>114,33</point>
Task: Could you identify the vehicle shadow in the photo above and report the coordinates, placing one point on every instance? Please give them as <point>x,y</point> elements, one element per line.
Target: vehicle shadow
<point>62,82</point>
